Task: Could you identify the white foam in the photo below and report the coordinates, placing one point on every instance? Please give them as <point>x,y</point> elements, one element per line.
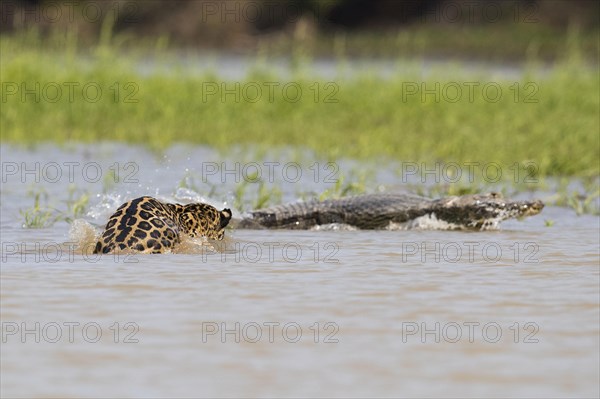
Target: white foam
<point>431,222</point>
<point>334,227</point>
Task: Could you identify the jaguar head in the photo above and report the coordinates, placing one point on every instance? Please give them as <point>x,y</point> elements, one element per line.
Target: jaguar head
<point>203,220</point>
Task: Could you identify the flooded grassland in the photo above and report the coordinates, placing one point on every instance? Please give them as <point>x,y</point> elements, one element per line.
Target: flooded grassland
<point>510,312</point>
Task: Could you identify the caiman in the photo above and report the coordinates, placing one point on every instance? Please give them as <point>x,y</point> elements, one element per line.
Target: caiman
<point>393,211</point>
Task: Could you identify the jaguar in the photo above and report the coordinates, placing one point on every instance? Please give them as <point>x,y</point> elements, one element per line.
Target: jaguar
<point>147,225</point>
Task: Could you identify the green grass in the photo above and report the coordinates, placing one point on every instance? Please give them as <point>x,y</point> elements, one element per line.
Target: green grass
<point>489,42</point>
<point>40,215</point>
<point>551,122</point>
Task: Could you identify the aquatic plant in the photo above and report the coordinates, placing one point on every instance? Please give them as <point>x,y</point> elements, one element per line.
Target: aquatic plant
<point>38,216</point>
<point>41,216</point>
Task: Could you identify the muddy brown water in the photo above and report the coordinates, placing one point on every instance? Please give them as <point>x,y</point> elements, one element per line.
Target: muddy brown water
<point>513,312</point>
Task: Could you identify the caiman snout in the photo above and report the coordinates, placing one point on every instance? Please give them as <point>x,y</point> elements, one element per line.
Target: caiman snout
<point>531,208</point>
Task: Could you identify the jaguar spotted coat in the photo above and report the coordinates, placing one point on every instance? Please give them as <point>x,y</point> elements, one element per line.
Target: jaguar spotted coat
<point>148,225</point>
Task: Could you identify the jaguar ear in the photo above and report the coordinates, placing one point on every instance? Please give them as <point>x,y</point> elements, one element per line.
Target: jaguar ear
<point>225,217</point>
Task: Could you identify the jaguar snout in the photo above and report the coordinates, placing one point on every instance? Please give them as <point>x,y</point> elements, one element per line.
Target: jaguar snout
<point>225,217</point>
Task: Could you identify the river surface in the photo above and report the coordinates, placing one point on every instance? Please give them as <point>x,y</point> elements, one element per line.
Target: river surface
<point>507,313</point>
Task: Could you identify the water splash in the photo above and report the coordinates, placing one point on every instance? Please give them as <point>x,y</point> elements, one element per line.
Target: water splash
<point>107,206</point>
<point>431,222</point>
<point>84,236</point>
<point>334,227</point>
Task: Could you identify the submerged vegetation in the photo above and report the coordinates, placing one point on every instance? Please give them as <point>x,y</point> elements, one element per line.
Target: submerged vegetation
<point>38,216</point>
<point>42,215</point>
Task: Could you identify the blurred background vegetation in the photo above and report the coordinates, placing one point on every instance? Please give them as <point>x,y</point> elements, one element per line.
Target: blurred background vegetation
<point>510,29</point>
<point>135,50</point>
